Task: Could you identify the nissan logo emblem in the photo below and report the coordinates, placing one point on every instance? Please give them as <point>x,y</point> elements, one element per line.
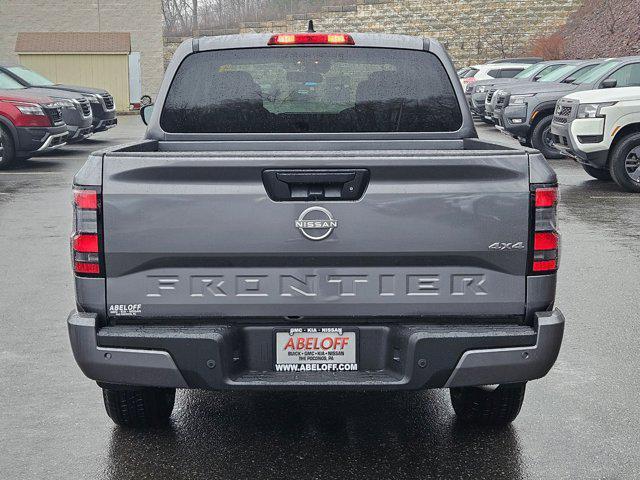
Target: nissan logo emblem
<point>317,220</point>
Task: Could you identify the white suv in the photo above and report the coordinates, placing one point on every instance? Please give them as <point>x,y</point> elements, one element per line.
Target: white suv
<point>601,130</point>
<point>492,70</point>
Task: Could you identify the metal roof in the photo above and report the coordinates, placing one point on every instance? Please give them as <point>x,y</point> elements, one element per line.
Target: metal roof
<point>73,42</point>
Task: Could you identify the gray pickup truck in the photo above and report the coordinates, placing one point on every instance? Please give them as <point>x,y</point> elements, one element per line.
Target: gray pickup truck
<point>313,212</point>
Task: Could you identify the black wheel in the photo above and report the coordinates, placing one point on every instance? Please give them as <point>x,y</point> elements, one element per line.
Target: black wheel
<point>541,139</point>
<point>488,407</point>
<point>139,408</point>
<point>625,163</point>
<point>8,155</point>
<point>599,173</point>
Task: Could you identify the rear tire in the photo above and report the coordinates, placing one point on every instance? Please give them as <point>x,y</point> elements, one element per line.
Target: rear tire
<point>541,139</point>
<point>598,173</point>
<point>139,408</point>
<point>625,163</point>
<point>8,157</point>
<point>497,407</point>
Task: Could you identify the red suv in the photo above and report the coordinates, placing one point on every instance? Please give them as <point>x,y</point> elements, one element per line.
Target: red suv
<point>28,123</point>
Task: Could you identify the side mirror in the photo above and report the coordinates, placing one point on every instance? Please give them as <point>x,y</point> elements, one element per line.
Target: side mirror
<point>609,83</point>
<point>145,113</point>
<point>569,80</point>
<point>537,77</point>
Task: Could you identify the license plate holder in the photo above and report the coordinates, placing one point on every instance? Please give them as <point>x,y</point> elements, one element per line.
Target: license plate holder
<point>316,349</point>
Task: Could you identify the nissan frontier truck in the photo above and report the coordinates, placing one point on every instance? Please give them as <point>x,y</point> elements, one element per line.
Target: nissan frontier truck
<point>314,211</point>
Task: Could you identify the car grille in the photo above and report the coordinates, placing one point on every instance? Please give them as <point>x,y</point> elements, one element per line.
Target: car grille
<point>85,106</point>
<point>563,113</point>
<point>490,95</point>
<point>108,101</point>
<point>54,114</point>
<point>501,100</point>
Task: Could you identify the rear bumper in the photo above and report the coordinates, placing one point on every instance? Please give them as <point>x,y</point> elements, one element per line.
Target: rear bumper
<point>391,356</point>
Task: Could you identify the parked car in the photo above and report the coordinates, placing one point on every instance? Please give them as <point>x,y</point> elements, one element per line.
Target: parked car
<point>102,104</point>
<point>287,283</point>
<point>476,92</point>
<point>488,71</point>
<point>526,111</point>
<point>29,123</point>
<point>601,130</point>
<point>564,74</point>
<point>76,111</point>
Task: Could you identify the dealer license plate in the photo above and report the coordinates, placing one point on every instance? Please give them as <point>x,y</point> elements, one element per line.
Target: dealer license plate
<point>323,349</point>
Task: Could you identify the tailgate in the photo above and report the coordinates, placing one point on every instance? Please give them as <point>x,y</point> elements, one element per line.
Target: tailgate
<point>198,235</point>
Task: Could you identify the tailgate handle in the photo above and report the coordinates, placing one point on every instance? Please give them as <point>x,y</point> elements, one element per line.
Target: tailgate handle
<point>310,185</point>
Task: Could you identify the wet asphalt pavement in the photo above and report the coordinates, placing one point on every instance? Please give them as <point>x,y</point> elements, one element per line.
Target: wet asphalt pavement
<point>581,421</point>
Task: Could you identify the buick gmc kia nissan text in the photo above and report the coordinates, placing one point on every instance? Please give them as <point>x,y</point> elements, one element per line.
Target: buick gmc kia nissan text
<point>314,211</point>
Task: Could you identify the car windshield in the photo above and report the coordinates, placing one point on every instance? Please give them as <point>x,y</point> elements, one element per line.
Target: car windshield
<point>529,71</point>
<point>559,74</point>
<point>593,75</point>
<point>8,83</point>
<point>31,77</point>
<point>311,90</point>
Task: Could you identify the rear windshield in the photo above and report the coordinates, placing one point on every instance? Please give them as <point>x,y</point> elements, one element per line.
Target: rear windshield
<point>311,89</point>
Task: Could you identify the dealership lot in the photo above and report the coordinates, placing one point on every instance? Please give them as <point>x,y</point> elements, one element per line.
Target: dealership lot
<point>578,422</point>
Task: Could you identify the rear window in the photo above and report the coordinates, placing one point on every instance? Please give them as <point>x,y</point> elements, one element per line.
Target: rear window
<point>311,89</point>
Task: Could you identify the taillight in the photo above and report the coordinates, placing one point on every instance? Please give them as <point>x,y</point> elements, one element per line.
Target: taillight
<point>86,250</point>
<point>546,240</point>
<point>311,39</point>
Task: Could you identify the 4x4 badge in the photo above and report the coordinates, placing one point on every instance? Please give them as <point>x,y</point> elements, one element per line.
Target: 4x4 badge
<point>507,246</point>
<point>318,219</point>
